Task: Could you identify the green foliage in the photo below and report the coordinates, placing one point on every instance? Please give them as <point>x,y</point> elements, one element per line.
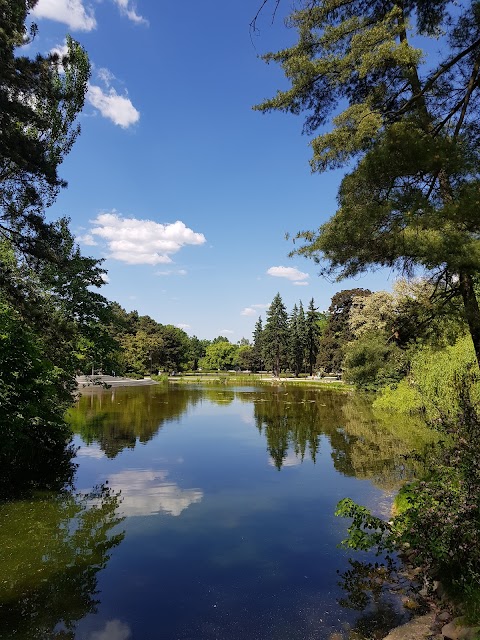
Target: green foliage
<point>371,362</point>
<point>275,336</point>
<point>439,516</point>
<point>437,380</point>
<point>337,332</point>
<point>34,394</point>
<point>258,363</point>
<point>410,124</point>
<point>365,531</point>
<point>162,379</point>
<point>40,100</point>
<point>220,356</point>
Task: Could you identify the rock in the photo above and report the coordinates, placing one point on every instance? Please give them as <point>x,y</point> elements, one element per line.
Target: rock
<point>457,630</point>
<point>443,616</point>
<point>416,629</point>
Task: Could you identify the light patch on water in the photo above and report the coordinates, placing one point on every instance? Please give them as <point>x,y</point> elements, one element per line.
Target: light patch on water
<point>114,630</point>
<point>145,492</point>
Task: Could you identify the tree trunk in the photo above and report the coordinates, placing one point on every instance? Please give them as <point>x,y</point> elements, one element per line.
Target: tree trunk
<point>472,310</point>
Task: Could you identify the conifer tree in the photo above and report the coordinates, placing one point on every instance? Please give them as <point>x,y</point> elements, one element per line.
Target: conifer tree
<point>409,119</point>
<point>257,356</point>
<point>275,336</point>
<point>312,335</point>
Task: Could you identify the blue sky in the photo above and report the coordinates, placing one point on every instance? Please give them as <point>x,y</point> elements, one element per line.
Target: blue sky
<point>183,188</point>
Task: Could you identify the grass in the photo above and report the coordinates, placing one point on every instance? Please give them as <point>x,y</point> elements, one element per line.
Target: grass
<point>256,379</point>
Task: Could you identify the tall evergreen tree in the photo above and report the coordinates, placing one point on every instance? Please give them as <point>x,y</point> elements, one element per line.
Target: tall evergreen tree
<point>275,336</point>
<point>297,339</point>
<point>312,335</point>
<point>410,119</point>
<point>257,356</point>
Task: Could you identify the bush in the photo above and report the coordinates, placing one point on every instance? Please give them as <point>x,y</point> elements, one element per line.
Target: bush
<point>162,378</point>
<point>371,362</point>
<point>437,380</point>
<point>438,517</point>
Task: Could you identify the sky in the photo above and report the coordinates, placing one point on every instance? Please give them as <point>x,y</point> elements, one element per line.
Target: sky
<point>184,189</point>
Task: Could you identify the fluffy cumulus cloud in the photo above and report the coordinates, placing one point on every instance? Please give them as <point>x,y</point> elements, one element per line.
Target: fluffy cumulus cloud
<point>146,492</point>
<point>248,311</point>
<point>137,241</point>
<point>129,10</point>
<point>73,13</point>
<point>117,108</point>
<point>290,273</point>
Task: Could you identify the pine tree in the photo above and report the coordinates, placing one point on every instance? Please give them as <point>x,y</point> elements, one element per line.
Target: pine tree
<point>257,358</point>
<point>409,119</point>
<point>275,336</point>
<point>312,335</point>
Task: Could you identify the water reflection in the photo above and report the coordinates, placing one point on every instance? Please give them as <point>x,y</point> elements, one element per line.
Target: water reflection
<point>113,630</point>
<point>145,492</point>
<point>253,552</point>
<point>119,418</point>
<point>51,550</point>
<point>375,446</point>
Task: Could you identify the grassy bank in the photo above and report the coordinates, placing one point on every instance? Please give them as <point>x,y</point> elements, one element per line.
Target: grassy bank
<point>231,379</point>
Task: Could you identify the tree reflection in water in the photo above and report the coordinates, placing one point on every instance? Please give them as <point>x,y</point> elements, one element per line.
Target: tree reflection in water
<point>376,446</point>
<point>51,550</point>
<point>118,419</point>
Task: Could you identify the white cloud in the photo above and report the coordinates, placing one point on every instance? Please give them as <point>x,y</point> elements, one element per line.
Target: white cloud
<point>105,278</point>
<point>172,272</point>
<point>114,630</point>
<point>145,492</point>
<point>225,332</point>
<point>73,13</point>
<point>61,50</point>
<point>137,241</point>
<point>87,240</point>
<point>290,273</point>
<point>105,75</point>
<point>128,9</point>
<point>119,109</point>
<point>248,311</point>
<point>183,326</point>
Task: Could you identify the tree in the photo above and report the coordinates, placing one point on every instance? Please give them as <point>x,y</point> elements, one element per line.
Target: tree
<point>245,357</point>
<point>197,350</point>
<point>410,121</point>
<point>337,331</point>
<point>219,356</point>
<point>174,351</point>
<point>312,334</point>
<point>275,336</point>
<point>297,339</point>
<point>40,99</point>
<point>258,346</point>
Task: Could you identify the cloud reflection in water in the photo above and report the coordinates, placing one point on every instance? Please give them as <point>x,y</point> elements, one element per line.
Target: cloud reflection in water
<point>145,492</point>
<point>114,630</point>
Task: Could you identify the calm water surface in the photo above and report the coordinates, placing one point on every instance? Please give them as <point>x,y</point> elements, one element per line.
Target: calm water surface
<point>204,513</point>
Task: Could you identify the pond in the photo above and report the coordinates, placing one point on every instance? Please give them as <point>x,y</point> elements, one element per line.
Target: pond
<point>205,513</point>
